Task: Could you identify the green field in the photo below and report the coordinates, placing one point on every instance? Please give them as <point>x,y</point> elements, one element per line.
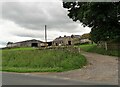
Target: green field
<point>45,60</point>
<point>20,48</point>
<point>93,48</point>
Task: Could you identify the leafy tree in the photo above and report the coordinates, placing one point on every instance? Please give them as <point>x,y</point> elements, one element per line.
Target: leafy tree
<point>85,36</point>
<point>102,17</point>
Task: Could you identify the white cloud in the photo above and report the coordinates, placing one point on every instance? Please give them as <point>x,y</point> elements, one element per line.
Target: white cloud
<point>22,21</point>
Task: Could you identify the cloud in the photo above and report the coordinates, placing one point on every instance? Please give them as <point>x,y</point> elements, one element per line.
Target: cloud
<point>36,15</point>
<point>26,20</point>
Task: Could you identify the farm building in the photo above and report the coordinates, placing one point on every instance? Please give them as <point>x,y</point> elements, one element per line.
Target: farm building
<point>66,40</point>
<point>60,41</point>
<point>27,43</point>
<point>85,38</point>
<point>85,41</point>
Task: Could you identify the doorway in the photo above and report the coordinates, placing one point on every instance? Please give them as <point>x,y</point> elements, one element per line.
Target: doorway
<point>69,42</point>
<point>49,43</point>
<point>56,44</point>
<point>34,44</point>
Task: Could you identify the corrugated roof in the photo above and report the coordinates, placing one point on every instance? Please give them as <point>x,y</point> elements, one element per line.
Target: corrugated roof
<point>30,40</point>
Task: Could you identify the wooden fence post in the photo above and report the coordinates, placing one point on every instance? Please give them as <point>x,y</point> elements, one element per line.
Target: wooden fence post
<point>106,48</point>
<point>79,50</point>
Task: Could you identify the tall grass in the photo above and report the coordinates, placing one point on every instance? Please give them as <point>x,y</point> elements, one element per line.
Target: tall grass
<point>42,60</point>
<point>94,48</point>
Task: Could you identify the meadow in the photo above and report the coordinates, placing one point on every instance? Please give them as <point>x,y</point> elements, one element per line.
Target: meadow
<point>41,60</point>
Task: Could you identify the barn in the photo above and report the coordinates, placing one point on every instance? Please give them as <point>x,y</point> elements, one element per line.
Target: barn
<point>27,43</point>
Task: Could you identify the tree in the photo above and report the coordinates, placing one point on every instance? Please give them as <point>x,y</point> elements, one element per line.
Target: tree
<point>85,36</point>
<point>102,17</point>
<point>9,43</point>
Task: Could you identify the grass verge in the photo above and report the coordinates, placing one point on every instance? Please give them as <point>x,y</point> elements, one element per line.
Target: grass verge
<point>93,48</point>
<point>46,60</point>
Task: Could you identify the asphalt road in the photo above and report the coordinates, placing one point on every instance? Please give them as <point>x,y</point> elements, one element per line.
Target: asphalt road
<point>30,79</point>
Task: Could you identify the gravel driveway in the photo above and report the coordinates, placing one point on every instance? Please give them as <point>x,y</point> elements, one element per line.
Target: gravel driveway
<point>100,68</point>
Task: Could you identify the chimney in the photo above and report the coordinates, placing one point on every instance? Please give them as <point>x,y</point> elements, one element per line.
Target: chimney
<point>45,33</point>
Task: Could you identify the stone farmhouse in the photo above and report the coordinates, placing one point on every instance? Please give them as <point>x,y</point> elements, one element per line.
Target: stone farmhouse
<point>60,41</point>
<point>66,40</point>
<point>27,43</point>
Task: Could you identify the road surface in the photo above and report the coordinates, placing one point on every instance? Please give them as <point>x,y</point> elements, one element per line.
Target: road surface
<point>30,79</point>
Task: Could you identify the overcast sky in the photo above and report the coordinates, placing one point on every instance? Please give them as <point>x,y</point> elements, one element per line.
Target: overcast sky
<point>26,20</point>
